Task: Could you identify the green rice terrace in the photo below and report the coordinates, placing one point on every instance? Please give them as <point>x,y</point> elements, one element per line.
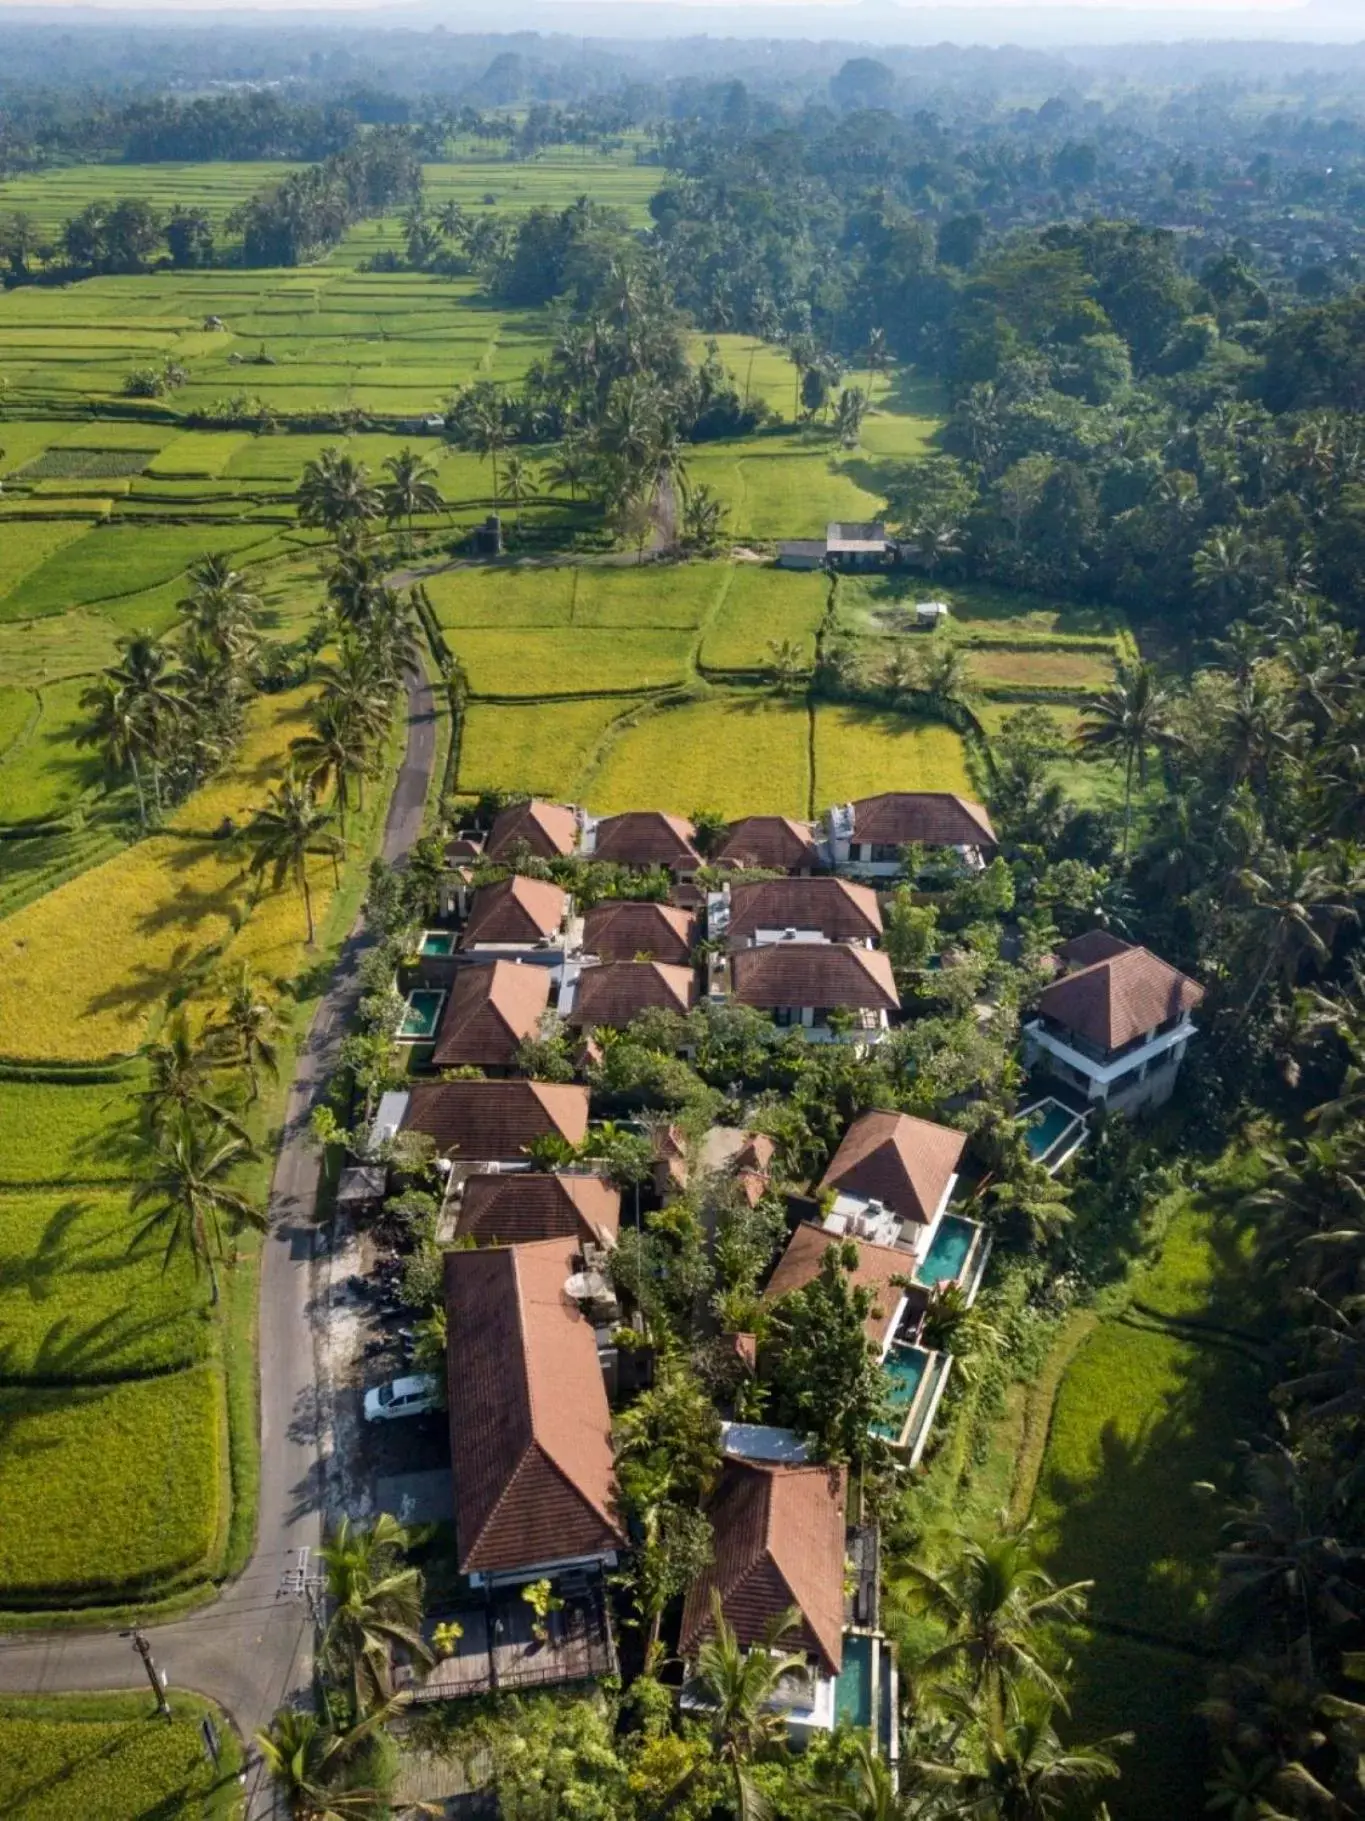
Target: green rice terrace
<point>667,684</point>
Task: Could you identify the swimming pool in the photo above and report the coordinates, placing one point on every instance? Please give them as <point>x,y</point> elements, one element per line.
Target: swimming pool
<point>853,1689</point>
<point>1046,1124</point>
<point>437,943</point>
<point>948,1251</point>
<point>905,1368</point>
<point>423,1014</point>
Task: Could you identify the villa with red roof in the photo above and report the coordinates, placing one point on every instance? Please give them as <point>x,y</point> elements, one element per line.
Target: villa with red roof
<point>1115,1027</point>
<point>867,836</point>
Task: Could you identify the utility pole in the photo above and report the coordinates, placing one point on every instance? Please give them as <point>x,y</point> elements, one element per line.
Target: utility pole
<point>144,1650</point>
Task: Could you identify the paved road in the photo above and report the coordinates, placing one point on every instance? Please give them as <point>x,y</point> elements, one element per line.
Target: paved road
<point>251,1650</point>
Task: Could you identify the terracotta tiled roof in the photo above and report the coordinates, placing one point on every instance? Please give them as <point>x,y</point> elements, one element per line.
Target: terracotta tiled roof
<point>1113,1002</point>
<point>494,1121</point>
<point>839,910</point>
<point>779,1542</point>
<point>532,1204</point>
<point>619,929</point>
<point>491,1009</point>
<point>515,910</point>
<point>618,991</point>
<point>775,842</point>
<point>821,974</point>
<point>462,848</point>
<point>877,1265</point>
<point>932,816</point>
<point>548,829</point>
<point>530,1431</point>
<point>756,1153</point>
<point>895,1158</point>
<point>1094,945</point>
<point>646,837</point>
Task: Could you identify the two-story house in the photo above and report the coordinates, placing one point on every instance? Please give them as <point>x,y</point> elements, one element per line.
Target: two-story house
<point>1115,1028</point>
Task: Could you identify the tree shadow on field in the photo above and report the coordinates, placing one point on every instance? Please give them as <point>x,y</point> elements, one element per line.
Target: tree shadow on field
<point>96,1354</point>
<point>1131,1520</point>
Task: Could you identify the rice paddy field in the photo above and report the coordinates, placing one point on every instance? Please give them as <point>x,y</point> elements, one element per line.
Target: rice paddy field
<point>108,1755</point>
<point>591,678</point>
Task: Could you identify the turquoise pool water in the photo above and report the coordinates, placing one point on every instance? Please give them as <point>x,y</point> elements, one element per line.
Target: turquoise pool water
<point>905,1368</point>
<point>439,942</point>
<point>948,1251</point>
<point>853,1688</point>
<point>1046,1124</point>
<point>424,1008</point>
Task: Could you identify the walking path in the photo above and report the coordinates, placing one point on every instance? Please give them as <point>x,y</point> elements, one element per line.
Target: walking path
<point>252,1650</point>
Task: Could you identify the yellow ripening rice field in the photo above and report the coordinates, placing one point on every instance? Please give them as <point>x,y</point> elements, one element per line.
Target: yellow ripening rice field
<point>861,751</point>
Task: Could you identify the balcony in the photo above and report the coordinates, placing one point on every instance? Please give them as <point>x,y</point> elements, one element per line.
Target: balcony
<point>498,1651</point>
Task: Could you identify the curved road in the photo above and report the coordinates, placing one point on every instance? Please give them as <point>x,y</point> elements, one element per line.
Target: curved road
<point>251,1650</point>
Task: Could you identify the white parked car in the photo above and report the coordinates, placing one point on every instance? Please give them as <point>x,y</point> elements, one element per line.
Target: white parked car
<point>415,1396</point>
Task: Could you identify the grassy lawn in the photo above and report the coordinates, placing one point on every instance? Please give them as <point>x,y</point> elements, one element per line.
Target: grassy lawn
<point>734,753</point>
<point>860,751</point>
<point>130,1510</point>
<point>761,607</point>
<point>102,1757</point>
<point>541,747</point>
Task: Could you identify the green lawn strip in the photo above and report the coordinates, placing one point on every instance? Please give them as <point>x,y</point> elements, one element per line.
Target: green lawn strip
<point>101,1757</point>
<point>80,1303</point>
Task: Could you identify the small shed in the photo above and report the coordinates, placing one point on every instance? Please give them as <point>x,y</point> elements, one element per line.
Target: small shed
<point>801,553</point>
<point>858,546</point>
<point>929,614</point>
<point>360,1189</point>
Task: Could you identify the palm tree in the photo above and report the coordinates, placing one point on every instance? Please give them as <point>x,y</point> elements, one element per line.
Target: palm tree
<point>849,413</point>
<point>248,1026</point>
<point>877,354</point>
<point>703,519</point>
<point>221,607</point>
<point>1229,571</point>
<point>739,1687</point>
<point>1127,721</point>
<point>411,488</point>
<point>337,748</point>
<point>336,493</point>
<point>944,671</point>
<point>788,663</point>
<point>120,729</point>
<point>995,1602</point>
<point>569,468</point>
<point>868,1790</point>
<point>147,674</point>
<point>286,831</point>
<point>180,1069</point>
<point>484,432</point>
<point>376,1601</point>
<point>1295,907</point>
<point>197,1206</point>
<point>1025,1773</point>
<point>450,220</point>
<point>307,1762</point>
<point>516,478</point>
